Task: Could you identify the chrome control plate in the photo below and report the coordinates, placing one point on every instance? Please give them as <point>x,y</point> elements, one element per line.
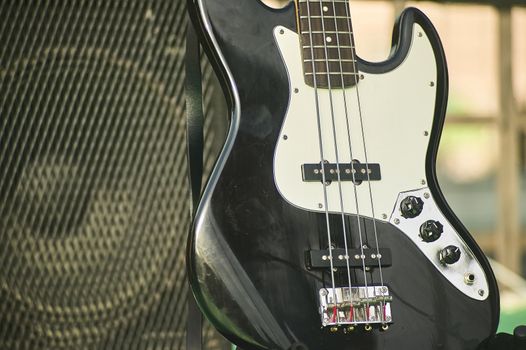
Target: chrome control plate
<point>356,305</point>
<point>467,275</point>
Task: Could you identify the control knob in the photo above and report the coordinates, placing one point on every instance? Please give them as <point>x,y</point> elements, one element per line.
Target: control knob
<point>449,255</point>
<point>411,207</point>
<point>519,337</point>
<point>431,230</point>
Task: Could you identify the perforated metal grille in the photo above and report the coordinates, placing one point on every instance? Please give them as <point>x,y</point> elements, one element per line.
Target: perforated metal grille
<point>93,190</point>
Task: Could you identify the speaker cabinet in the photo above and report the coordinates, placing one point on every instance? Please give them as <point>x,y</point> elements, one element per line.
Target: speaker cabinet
<point>94,201</point>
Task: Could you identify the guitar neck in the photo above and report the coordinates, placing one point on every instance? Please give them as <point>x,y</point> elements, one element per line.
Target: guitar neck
<point>327,39</point>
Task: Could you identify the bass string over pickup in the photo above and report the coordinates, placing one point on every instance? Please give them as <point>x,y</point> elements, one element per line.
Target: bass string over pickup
<point>353,258</point>
<point>354,171</point>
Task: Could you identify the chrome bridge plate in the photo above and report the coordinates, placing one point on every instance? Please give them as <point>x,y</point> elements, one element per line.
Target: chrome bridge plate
<point>357,305</point>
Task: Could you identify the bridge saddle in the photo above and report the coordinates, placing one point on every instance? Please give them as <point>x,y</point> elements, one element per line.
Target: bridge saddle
<point>353,306</point>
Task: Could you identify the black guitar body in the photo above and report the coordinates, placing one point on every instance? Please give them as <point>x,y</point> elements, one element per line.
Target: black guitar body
<point>246,256</point>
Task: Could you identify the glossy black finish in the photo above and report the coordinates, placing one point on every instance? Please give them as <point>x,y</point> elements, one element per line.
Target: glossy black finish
<point>246,255</point>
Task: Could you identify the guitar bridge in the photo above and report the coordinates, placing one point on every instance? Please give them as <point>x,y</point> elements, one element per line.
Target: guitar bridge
<point>355,306</point>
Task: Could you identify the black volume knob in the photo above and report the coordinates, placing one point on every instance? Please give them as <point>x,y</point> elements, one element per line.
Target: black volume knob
<point>449,255</point>
<point>431,230</point>
<point>411,207</point>
<point>519,337</point>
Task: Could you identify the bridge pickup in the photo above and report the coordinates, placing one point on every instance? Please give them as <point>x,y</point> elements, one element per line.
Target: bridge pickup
<point>356,171</point>
<point>320,259</point>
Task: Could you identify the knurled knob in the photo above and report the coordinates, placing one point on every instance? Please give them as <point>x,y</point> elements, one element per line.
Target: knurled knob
<point>411,207</point>
<point>431,230</point>
<point>519,337</point>
<point>449,255</point>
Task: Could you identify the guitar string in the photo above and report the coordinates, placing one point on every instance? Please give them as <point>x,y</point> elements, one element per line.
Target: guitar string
<point>322,163</point>
<point>338,171</point>
<point>362,129</point>
<point>353,171</point>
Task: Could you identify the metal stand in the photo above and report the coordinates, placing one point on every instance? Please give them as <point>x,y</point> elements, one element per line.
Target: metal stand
<point>194,136</point>
<point>504,341</point>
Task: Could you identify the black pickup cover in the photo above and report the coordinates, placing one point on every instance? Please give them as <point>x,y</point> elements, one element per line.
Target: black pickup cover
<point>312,172</point>
<point>319,259</point>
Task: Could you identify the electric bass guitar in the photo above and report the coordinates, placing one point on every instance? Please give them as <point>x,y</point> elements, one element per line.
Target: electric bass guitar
<point>322,226</point>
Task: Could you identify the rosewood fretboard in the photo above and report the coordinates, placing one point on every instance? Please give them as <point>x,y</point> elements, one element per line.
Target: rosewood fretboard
<point>328,44</point>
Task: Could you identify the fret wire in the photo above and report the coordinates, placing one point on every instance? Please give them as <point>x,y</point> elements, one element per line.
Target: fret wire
<point>318,37</point>
<point>330,60</point>
<point>330,17</point>
<point>326,32</point>
<point>315,37</point>
<point>322,1</point>
<point>328,46</point>
<point>333,73</point>
<point>315,9</point>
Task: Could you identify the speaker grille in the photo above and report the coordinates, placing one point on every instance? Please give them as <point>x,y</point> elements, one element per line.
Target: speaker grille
<point>94,197</point>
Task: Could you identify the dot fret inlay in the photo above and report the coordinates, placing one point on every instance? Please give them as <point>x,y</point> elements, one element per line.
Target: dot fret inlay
<point>327,43</point>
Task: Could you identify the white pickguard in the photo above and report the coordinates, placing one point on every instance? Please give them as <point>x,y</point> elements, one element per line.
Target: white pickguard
<point>397,109</point>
